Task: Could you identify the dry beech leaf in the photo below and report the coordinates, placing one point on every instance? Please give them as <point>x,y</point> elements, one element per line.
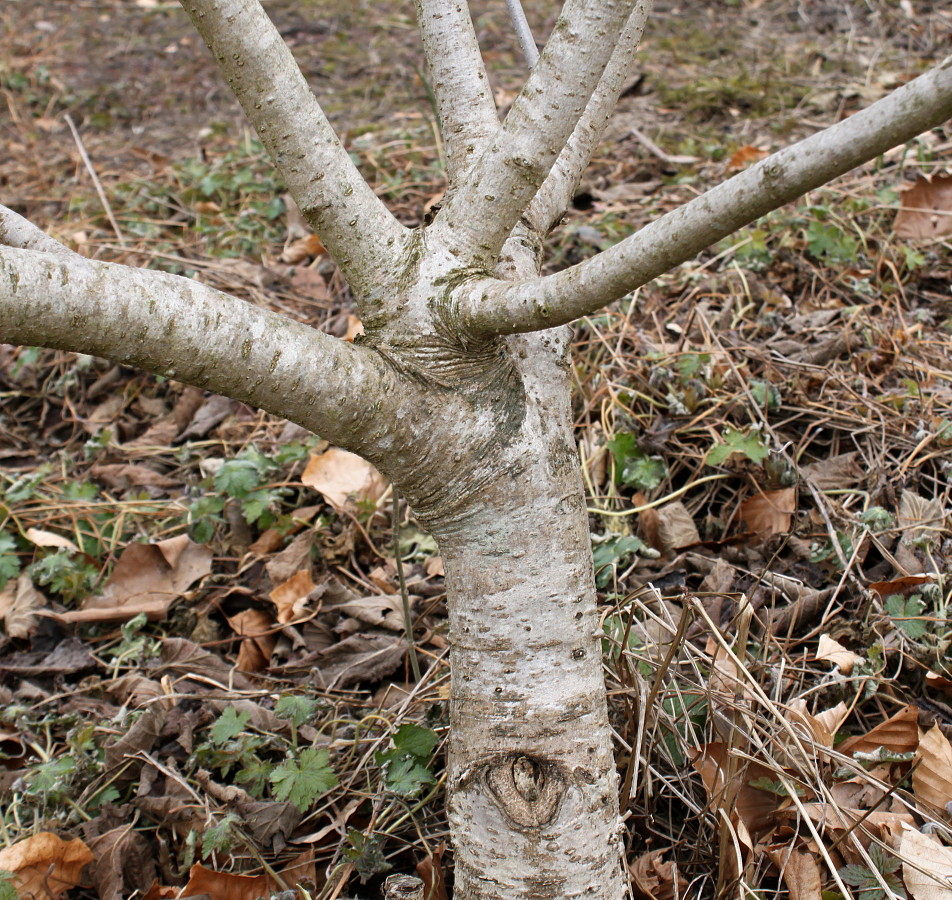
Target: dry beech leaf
<point>147,579</point>
<point>290,597</point>
<point>830,651</point>
<point>46,866</point>
<point>303,248</point>
<point>837,472</point>
<point>919,518</point>
<point>431,873</point>
<point>343,478</point>
<point>255,626</point>
<point>904,586</point>
<point>309,284</point>
<point>654,879</point>
<point>843,818</point>
<point>354,328</point>
<point>769,512</point>
<point>932,777</point>
<point>927,866</point>
<point>800,870</point>
<point>899,734</point>
<point>675,527</point>
<point>756,808</point>
<point>19,602</point>
<point>123,476</point>
<point>925,209</point>
<point>48,539</point>
<point>227,886</point>
<point>821,728</point>
<point>124,863</point>
<point>744,156</point>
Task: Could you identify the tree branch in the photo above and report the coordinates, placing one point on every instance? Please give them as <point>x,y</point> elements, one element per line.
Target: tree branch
<point>15,231</point>
<point>496,307</point>
<point>464,99</point>
<point>479,217</point>
<point>556,192</point>
<point>177,327</point>
<point>352,222</point>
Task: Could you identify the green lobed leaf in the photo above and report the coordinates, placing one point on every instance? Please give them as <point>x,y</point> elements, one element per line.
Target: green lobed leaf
<point>301,781</point>
<point>228,726</point>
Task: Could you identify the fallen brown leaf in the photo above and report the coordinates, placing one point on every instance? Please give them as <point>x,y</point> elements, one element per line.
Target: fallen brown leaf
<point>899,733</point>
<point>256,627</point>
<point>147,579</point>
<point>19,601</point>
<point>654,879</point>
<point>47,539</point>
<point>744,156</point>
<point>830,651</point>
<point>226,885</point>
<point>932,777</point>
<point>343,478</point>
<point>46,866</point>
<point>769,512</point>
<point>926,867</point>
<point>925,209</point>
<point>431,872</point>
<point>290,597</point>
<point>800,870</point>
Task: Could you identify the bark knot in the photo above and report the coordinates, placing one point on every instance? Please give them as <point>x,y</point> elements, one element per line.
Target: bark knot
<point>527,789</point>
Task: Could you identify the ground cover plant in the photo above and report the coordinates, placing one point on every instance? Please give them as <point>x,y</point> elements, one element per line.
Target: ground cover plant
<point>762,436</point>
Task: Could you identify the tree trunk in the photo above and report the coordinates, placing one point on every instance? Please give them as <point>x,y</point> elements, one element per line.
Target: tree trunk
<point>531,772</point>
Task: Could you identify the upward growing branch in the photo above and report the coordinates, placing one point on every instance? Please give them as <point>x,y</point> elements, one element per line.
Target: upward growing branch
<point>557,190</point>
<point>480,216</point>
<point>353,223</point>
<point>497,307</point>
<point>459,82</point>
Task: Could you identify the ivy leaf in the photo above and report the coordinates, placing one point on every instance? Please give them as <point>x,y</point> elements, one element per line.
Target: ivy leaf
<point>228,726</point>
<point>905,614</point>
<point>415,740</point>
<point>746,444</point>
<point>301,781</point>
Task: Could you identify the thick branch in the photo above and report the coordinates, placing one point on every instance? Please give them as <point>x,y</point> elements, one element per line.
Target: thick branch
<point>458,79</point>
<point>479,217</point>
<point>185,330</point>
<point>559,187</point>
<point>333,196</point>
<point>501,308</point>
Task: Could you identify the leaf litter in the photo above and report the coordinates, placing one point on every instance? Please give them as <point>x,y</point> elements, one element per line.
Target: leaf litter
<point>202,663</point>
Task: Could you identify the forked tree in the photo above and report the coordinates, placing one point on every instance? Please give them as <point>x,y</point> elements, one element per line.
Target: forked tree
<point>460,390</point>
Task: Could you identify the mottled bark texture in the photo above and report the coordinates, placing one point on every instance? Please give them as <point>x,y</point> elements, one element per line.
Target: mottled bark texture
<point>460,391</point>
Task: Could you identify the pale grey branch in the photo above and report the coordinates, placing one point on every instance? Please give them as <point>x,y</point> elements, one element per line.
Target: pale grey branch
<point>480,216</point>
<point>190,332</point>
<point>501,308</point>
<point>517,15</point>
<point>15,231</point>
<point>458,79</point>
<point>354,224</point>
<point>556,192</point>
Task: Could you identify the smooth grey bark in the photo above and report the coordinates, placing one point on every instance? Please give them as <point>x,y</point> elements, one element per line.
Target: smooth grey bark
<point>460,391</point>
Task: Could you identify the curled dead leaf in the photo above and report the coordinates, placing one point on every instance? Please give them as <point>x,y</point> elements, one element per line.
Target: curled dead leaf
<point>19,602</point>
<point>769,512</point>
<point>46,866</point>
<point>652,878</point>
<point>343,479</point>
<point>290,598</point>
<point>830,651</point>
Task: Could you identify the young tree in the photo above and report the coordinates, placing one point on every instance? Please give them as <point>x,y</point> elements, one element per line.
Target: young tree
<point>460,390</point>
